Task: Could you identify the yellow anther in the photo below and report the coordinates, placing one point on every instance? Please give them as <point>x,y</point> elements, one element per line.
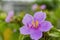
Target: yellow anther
<point>36,23</point>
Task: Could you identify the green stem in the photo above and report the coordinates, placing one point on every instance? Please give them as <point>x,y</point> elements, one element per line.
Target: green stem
<point>21,37</point>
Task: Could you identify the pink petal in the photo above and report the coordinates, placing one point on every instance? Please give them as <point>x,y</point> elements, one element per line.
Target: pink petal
<point>36,35</point>
<point>27,19</point>
<point>11,13</point>
<point>40,16</point>
<point>7,19</point>
<point>43,7</point>
<point>34,6</point>
<point>24,30</point>
<point>45,26</point>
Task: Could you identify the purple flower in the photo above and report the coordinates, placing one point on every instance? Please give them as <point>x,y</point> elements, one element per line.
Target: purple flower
<point>43,7</point>
<point>34,7</point>
<point>9,16</point>
<point>34,26</point>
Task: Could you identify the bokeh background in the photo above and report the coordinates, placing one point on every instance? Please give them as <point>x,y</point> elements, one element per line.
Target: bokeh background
<point>10,31</point>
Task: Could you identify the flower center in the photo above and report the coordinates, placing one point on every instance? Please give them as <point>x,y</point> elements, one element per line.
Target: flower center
<point>35,23</point>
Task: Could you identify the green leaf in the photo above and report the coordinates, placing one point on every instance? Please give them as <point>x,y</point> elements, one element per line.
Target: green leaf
<point>27,38</point>
<point>15,36</point>
<point>54,33</point>
<point>13,26</point>
<point>3,25</point>
<point>1,37</point>
<point>21,37</point>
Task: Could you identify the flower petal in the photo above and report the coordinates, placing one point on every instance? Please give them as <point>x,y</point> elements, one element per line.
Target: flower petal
<point>11,13</point>
<point>34,7</point>
<point>27,18</point>
<point>40,16</point>
<point>45,26</point>
<point>43,7</point>
<point>36,35</point>
<point>7,19</point>
<point>24,30</point>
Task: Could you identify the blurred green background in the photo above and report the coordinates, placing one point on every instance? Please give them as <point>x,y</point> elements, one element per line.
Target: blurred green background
<point>10,31</point>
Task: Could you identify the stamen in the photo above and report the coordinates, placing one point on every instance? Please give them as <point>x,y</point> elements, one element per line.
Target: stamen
<point>35,23</point>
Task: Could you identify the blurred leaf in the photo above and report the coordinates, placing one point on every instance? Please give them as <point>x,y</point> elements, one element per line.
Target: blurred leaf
<point>15,36</point>
<point>3,26</point>
<point>3,15</point>
<point>1,37</point>
<point>27,38</point>
<point>21,37</point>
<point>24,37</point>
<point>54,33</point>
<point>13,26</point>
<point>57,13</point>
